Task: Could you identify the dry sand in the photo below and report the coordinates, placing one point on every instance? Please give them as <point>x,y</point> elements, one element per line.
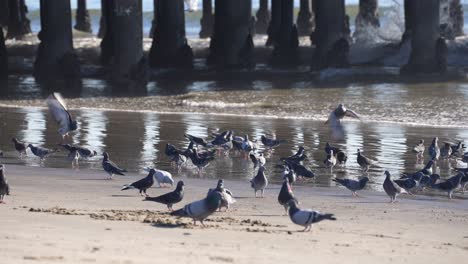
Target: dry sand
<point>65,216</point>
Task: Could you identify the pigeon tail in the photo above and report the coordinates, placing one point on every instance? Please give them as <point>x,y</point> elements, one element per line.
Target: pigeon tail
<point>127,187</point>
<point>179,213</point>
<point>328,217</point>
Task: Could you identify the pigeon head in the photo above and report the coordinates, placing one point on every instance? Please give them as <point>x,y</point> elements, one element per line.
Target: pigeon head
<point>30,146</point>
<point>220,183</point>
<point>340,109</point>
<point>1,167</point>
<point>14,140</point>
<point>434,178</point>
<point>435,140</point>
<point>151,172</point>
<point>292,203</point>
<point>73,125</point>
<point>106,155</point>
<point>359,152</point>
<point>180,185</point>
<point>387,174</point>
<point>94,153</point>
<point>421,141</point>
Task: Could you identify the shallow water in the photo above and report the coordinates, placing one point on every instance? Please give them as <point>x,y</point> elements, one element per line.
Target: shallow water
<point>137,139</point>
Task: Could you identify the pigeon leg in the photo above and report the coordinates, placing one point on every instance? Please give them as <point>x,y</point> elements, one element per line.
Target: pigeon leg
<point>203,224</point>
<point>262,192</point>
<point>450,195</point>
<point>305,229</point>
<point>255,193</point>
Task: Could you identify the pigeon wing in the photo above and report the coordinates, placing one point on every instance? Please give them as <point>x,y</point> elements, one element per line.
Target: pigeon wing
<point>58,110</point>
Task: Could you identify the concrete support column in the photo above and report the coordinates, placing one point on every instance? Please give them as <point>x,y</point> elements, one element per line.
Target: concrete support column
<point>153,23</point>
<point>82,17</point>
<point>263,18</point>
<point>122,46</point>
<point>285,47</point>
<point>429,51</point>
<point>368,17</point>
<point>275,21</point>
<point>18,23</point>
<point>330,35</point>
<point>170,48</point>
<point>451,19</point>
<point>207,20</point>
<point>305,23</point>
<point>3,56</point>
<point>56,57</point>
<point>4,13</point>
<point>102,20</point>
<point>232,44</point>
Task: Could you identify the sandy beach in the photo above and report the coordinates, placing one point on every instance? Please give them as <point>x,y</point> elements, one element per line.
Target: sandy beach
<point>66,216</point>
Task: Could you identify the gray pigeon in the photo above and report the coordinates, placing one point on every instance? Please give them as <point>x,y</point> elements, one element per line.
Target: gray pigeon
<point>20,147</point>
<point>285,195</point>
<point>200,210</point>
<point>4,187</point>
<point>260,181</point>
<point>392,189</point>
<point>434,151</point>
<point>364,161</point>
<point>227,197</point>
<point>418,149</point>
<point>352,185</point>
<point>59,111</point>
<point>330,161</point>
<point>271,142</point>
<point>446,151</point>
<point>170,198</point>
<point>110,167</point>
<point>306,217</point>
<point>143,184</point>
<point>448,186</point>
<point>40,152</point>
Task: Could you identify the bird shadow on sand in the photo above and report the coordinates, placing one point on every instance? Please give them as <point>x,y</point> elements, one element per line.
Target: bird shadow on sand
<point>122,195</point>
<point>168,225</point>
<point>94,180</point>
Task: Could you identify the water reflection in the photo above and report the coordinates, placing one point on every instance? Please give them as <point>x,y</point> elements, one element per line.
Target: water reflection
<point>136,140</point>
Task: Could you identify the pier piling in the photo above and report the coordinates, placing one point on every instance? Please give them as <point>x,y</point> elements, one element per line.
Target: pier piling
<point>82,17</point>
<point>263,18</point>
<point>451,19</point>
<point>4,13</point>
<point>207,20</point>
<point>3,56</point>
<point>18,23</point>
<point>366,20</point>
<point>305,22</point>
<point>330,35</point>
<point>232,44</point>
<point>170,48</point>
<point>56,57</point>
<point>275,21</point>
<point>285,50</point>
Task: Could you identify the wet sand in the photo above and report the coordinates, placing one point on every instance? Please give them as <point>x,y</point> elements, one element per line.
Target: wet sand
<point>60,215</point>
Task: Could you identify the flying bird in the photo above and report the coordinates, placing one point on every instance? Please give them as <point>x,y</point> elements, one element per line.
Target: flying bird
<point>306,217</point>
<point>334,121</point>
<point>59,111</point>
<point>170,198</point>
<point>143,184</point>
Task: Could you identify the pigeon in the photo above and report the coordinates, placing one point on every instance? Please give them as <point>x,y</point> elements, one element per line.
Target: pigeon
<point>196,140</point>
<point>258,161</point>
<point>434,151</point>
<point>457,150</point>
<point>200,162</point>
<point>200,210</point>
<point>363,161</point>
<point>424,182</point>
<point>407,183</point>
<point>143,184</point>
<point>110,167</point>
<point>289,174</point>
<point>352,185</point>
<point>222,138</point>
<point>285,195</point>
<point>4,187</point>
<point>448,186</point>
<point>334,121</point>
<point>226,195</point>
<point>42,153</point>
<point>163,178</point>
<point>58,109</point>
<point>20,146</point>
<point>330,161</point>
<point>271,142</point>
<point>340,155</point>
<point>259,182</point>
<point>446,151</point>
<point>179,160</point>
<point>391,188</point>
<point>170,198</point>
<point>171,151</point>
<point>300,170</point>
<point>85,152</point>
<point>427,170</point>
<point>306,217</point>
<point>298,157</point>
<point>73,154</point>
<point>464,182</point>
<point>418,149</point>
<point>247,145</point>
